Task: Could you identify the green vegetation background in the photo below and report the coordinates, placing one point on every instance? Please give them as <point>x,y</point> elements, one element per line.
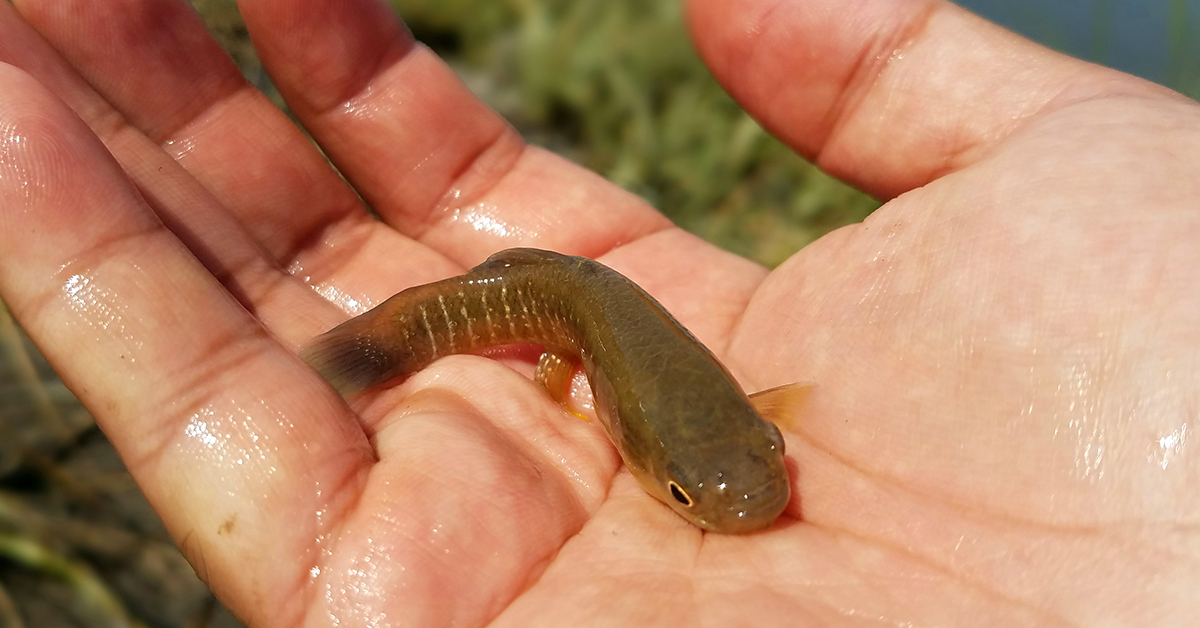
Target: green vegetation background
<point>611,84</point>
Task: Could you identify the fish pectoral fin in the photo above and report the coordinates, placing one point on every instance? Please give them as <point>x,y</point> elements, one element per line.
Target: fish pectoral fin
<point>781,405</point>
<point>554,372</point>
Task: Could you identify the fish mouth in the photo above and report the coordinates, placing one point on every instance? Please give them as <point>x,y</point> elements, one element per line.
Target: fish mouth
<point>753,512</point>
<point>768,500</point>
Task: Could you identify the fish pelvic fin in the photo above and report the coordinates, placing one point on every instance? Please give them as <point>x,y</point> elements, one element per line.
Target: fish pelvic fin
<point>555,372</point>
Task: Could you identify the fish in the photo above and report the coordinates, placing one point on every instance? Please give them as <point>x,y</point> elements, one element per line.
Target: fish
<point>682,424</point>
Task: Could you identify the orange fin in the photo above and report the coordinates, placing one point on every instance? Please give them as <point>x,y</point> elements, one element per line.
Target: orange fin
<point>781,405</point>
<point>554,372</point>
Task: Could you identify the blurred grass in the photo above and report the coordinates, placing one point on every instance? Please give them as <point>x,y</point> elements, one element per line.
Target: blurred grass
<point>1183,49</point>
<point>612,85</point>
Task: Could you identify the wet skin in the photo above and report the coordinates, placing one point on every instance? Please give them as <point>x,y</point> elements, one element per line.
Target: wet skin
<point>683,426</point>
<point>1007,350</point>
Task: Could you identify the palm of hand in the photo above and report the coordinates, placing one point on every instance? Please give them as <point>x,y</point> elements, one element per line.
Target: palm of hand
<point>1003,406</point>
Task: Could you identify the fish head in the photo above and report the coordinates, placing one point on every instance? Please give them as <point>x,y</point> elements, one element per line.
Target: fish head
<point>731,489</point>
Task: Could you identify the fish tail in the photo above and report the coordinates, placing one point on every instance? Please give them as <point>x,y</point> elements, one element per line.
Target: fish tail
<point>352,360</point>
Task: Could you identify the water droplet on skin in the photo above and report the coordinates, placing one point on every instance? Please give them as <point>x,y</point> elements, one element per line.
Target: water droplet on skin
<point>96,306</point>
<point>14,164</point>
<point>482,217</point>
<point>358,107</point>
<point>1169,446</point>
<point>1081,418</point>
<point>198,429</point>
<point>343,300</point>
<point>179,148</point>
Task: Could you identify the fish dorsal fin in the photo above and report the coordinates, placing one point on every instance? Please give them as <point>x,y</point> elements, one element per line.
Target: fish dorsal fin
<point>781,405</point>
<point>519,257</point>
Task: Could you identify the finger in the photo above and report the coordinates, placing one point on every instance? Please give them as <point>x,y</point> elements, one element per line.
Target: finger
<point>422,150</point>
<point>156,63</point>
<point>286,306</point>
<point>481,480</point>
<point>247,457</point>
<point>887,95</point>
<point>154,60</point>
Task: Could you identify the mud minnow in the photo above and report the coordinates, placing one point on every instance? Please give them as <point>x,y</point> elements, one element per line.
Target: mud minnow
<point>683,426</point>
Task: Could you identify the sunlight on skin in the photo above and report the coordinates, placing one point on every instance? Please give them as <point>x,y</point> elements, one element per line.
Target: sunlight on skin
<point>1005,353</point>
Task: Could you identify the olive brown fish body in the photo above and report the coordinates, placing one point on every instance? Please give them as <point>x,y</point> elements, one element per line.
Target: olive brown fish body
<point>682,425</point>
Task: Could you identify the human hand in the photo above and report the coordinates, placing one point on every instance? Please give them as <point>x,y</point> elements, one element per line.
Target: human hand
<point>1006,388</point>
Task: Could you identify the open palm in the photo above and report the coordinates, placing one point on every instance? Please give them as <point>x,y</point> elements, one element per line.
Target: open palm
<point>1008,382</point>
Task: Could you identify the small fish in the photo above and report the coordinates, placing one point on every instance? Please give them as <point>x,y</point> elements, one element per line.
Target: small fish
<point>683,426</point>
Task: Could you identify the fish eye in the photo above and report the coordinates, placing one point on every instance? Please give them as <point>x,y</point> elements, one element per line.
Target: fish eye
<point>679,494</point>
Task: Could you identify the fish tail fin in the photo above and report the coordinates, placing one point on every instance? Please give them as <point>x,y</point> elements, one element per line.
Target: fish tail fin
<point>352,360</point>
